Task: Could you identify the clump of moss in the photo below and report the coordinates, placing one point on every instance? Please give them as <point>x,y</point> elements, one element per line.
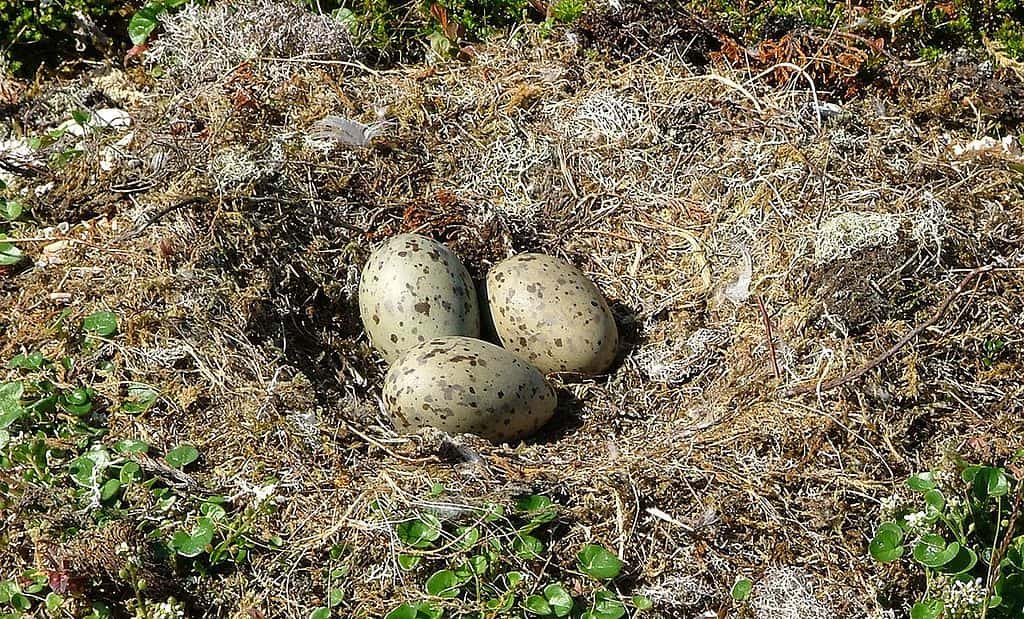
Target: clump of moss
<point>912,28</point>
<point>36,32</point>
<point>398,28</point>
<point>948,26</point>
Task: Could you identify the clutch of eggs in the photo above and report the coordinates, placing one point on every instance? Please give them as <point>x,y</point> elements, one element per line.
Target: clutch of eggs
<point>420,310</point>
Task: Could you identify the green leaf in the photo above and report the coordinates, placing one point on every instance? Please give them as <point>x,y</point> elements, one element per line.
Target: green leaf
<point>426,610</point>
<point>405,611</point>
<point>607,606</point>
<point>145,21</point>
<point>467,537</point>
<point>181,456</point>
<point>130,471</point>
<point>30,361</point>
<point>932,551</point>
<point>928,609</point>
<point>9,254</point>
<point>85,469</point>
<point>935,502</point>
<point>10,209</point>
<point>502,604</point>
<point>76,401</point>
<point>887,545</point>
<point>5,438</point>
<point>990,482</point>
<point>81,117</point>
<point>109,489</point>
<point>514,579</point>
<point>140,398</point>
<point>193,543</point>
<point>598,562</point>
<point>53,601</point>
<point>642,602</point>
<point>419,532</point>
<point>8,589</point>
<point>131,446</point>
<point>335,597</point>
<point>477,565</point>
<point>212,510</point>
<point>320,613</point>
<point>408,562</point>
<point>102,324</point>
<point>559,599</point>
<point>922,482</point>
<point>538,606</point>
<point>527,547</point>
<point>537,508</point>
<point>741,589</point>
<point>963,562</point>
<point>1015,553</point>
<point>492,512</point>
<point>10,403</point>
<point>444,584</point>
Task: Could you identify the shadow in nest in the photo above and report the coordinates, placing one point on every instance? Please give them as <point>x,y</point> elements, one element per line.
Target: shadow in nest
<point>301,263</point>
<point>567,419</point>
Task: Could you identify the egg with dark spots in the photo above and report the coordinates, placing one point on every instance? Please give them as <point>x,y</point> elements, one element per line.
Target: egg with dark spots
<point>414,289</point>
<point>463,385</point>
<point>549,313</point>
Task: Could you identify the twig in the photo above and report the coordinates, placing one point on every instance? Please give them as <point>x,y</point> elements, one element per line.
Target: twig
<point>152,219</point>
<point>879,360</point>
<point>768,333</point>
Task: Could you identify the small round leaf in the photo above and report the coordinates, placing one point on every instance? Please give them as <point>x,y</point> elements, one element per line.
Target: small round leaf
<point>559,599</point>
<point>963,562</point>
<point>932,551</point>
<point>741,590</point>
<point>887,544</point>
<point>922,482</point>
<point>443,584</point>
<point>182,456</point>
<point>598,562</point>
<point>102,324</point>
<point>537,605</point>
<point>928,609</point>
<point>527,547</point>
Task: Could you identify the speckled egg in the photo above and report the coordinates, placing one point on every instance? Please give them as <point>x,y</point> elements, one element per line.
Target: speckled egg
<point>547,312</point>
<point>414,289</point>
<point>465,385</point>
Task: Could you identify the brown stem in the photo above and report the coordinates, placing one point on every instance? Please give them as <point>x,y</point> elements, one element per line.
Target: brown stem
<point>771,340</point>
<point>879,360</point>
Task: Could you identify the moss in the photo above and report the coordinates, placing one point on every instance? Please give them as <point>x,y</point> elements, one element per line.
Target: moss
<point>36,32</point>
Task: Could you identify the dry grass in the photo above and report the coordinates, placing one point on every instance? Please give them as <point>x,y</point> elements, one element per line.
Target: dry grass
<point>687,197</point>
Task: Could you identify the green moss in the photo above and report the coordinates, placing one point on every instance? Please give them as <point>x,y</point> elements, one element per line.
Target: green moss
<point>966,24</point>
<point>567,11</point>
<point>32,32</point>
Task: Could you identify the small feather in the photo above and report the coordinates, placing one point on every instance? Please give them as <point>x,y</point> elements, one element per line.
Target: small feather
<point>343,130</point>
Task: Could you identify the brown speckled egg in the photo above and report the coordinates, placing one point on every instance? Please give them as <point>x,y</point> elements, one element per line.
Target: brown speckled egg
<point>547,312</point>
<point>414,289</point>
<point>465,385</point>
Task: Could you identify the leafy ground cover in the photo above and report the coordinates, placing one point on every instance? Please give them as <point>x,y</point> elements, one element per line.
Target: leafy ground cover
<point>810,237</point>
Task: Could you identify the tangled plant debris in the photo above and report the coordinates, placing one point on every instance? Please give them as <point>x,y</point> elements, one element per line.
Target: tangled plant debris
<point>706,200</point>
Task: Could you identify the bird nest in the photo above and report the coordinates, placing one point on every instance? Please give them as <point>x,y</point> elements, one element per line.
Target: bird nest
<point>756,242</point>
